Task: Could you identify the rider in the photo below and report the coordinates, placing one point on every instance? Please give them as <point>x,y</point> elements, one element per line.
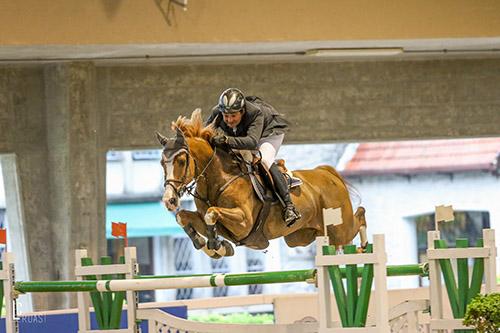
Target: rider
<point>250,123</point>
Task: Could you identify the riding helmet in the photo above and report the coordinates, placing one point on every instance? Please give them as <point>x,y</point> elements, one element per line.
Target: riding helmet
<point>231,100</point>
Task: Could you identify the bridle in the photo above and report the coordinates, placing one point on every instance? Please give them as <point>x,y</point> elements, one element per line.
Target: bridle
<point>187,186</point>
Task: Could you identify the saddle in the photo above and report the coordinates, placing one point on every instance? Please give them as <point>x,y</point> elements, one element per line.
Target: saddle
<point>263,186</point>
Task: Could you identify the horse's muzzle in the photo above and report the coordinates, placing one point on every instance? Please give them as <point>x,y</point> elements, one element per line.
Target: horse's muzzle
<point>170,200</point>
<point>171,204</point>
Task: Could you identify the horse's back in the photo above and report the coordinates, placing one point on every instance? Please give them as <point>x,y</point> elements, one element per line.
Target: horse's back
<point>327,183</point>
<point>321,174</point>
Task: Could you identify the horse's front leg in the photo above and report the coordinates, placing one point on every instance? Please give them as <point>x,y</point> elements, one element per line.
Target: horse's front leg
<point>193,224</point>
<point>233,219</point>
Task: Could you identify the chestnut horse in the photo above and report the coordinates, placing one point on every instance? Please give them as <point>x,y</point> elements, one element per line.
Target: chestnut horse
<point>227,206</point>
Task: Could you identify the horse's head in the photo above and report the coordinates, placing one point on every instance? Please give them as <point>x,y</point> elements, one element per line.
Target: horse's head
<point>178,168</point>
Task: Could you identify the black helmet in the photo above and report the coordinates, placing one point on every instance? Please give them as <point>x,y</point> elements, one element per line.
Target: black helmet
<point>231,100</point>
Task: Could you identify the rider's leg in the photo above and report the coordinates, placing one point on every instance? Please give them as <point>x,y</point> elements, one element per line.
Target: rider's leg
<point>268,148</point>
<point>290,213</point>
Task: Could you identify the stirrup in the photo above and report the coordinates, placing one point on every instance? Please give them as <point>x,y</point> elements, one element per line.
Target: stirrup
<point>292,181</point>
<point>293,215</point>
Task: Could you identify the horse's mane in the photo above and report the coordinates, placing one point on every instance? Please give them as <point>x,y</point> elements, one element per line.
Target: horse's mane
<point>193,127</point>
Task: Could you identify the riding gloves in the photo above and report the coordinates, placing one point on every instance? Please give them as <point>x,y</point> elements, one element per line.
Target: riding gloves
<point>219,140</point>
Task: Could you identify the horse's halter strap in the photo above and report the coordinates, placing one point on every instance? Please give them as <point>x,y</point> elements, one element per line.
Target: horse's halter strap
<point>179,191</point>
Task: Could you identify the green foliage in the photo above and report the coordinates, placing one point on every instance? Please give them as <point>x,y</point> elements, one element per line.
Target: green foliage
<point>483,313</point>
<point>235,318</point>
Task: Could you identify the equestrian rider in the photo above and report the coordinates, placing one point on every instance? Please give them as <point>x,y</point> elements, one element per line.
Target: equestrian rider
<point>250,123</point>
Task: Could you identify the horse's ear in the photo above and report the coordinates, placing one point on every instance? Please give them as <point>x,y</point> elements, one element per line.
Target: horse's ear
<point>162,139</point>
<point>180,139</point>
<point>178,132</point>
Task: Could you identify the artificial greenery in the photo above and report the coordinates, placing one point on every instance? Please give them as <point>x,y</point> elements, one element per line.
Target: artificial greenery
<point>234,318</point>
<point>483,313</point>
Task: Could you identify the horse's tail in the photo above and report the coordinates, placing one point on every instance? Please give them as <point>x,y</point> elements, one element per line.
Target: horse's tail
<point>353,191</point>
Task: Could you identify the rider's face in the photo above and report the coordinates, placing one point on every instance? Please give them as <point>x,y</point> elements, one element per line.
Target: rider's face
<point>232,119</point>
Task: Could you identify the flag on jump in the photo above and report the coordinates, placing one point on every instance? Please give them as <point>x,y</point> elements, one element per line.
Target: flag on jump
<point>3,236</point>
<point>119,229</point>
<point>331,216</point>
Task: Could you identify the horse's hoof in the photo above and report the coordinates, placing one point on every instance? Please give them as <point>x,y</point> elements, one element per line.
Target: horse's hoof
<point>215,256</point>
<point>229,248</point>
<point>362,248</point>
<point>211,253</point>
<point>213,244</point>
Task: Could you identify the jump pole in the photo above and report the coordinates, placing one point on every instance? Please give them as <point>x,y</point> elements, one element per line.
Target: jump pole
<point>144,282</point>
<point>260,277</point>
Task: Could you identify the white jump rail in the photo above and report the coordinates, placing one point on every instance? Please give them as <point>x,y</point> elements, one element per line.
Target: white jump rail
<point>159,321</point>
<point>403,319</point>
<point>8,277</point>
<point>129,268</point>
<point>379,260</point>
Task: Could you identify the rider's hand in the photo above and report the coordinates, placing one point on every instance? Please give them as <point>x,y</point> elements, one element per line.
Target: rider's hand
<point>219,140</point>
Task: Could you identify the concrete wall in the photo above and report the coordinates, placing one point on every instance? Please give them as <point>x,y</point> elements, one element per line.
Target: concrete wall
<point>347,101</point>
<point>2,192</point>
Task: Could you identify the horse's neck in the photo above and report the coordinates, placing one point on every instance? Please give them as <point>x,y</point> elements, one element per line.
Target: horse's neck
<point>215,168</point>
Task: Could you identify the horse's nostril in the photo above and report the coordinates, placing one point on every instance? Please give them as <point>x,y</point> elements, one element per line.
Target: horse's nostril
<point>172,201</point>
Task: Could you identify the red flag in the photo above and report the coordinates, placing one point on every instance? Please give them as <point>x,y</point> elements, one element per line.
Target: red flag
<point>119,229</point>
<point>3,236</point>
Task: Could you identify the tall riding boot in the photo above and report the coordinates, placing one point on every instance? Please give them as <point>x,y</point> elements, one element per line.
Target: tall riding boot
<point>290,213</point>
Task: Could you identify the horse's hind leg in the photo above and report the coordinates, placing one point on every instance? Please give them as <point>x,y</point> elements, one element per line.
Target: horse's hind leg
<point>359,218</point>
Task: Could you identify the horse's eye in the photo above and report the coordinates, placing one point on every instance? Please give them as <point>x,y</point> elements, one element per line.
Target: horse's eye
<point>182,162</point>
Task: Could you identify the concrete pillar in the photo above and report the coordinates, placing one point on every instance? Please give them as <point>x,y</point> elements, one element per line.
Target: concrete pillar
<point>55,183</point>
<point>25,174</point>
<point>75,166</point>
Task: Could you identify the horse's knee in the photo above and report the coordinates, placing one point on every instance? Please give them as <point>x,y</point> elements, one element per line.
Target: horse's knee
<point>210,216</point>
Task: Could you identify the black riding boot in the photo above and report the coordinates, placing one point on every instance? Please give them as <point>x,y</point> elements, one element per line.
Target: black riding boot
<point>290,213</point>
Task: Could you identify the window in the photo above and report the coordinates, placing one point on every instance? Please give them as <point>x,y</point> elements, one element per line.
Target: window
<point>146,155</point>
<point>114,156</point>
<point>255,263</point>
<point>183,259</point>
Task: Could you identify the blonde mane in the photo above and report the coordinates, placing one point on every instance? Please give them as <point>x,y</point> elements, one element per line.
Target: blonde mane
<point>193,127</point>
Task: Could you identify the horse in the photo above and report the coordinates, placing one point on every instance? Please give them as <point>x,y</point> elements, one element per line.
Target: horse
<point>227,205</point>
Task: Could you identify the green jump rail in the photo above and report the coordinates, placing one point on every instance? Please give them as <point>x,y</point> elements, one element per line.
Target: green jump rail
<point>203,280</point>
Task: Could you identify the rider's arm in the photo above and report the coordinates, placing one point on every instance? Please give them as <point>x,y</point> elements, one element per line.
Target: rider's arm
<point>254,133</point>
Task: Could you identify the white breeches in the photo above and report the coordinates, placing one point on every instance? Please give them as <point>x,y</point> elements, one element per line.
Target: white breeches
<point>269,147</point>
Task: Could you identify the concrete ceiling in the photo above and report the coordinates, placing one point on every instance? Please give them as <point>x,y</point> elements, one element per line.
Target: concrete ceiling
<point>249,52</point>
